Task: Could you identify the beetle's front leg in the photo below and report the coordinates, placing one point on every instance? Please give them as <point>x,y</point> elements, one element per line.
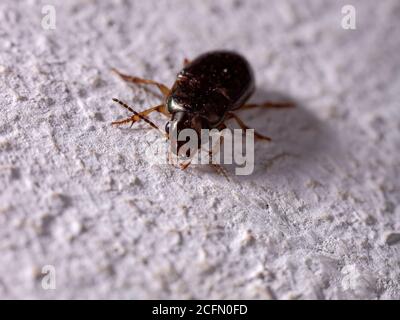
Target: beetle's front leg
<point>163,88</point>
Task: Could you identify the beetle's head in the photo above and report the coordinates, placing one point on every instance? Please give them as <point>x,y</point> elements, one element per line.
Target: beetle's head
<point>176,129</point>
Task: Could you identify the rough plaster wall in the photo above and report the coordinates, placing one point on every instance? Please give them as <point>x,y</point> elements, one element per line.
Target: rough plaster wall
<point>317,219</point>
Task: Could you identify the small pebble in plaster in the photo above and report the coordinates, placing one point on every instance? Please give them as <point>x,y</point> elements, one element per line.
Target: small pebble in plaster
<point>98,116</point>
<point>17,222</point>
<point>106,268</point>
<point>82,92</point>
<point>75,228</point>
<point>258,290</point>
<point>59,202</point>
<point>259,271</point>
<point>45,101</point>
<point>292,296</point>
<point>391,238</point>
<point>324,217</point>
<point>42,226</point>
<point>203,261</point>
<point>370,220</point>
<point>131,202</point>
<point>9,172</point>
<point>247,238</point>
<point>378,126</point>
<point>358,281</point>
<point>18,97</point>
<point>118,249</point>
<point>35,273</point>
<point>4,210</point>
<point>90,128</point>
<point>244,239</point>
<point>129,181</point>
<point>313,184</point>
<point>79,165</point>
<point>108,183</point>
<point>175,237</point>
<point>15,173</point>
<point>96,81</point>
<point>215,202</point>
<point>4,69</point>
<point>8,44</point>
<point>183,210</point>
<point>389,207</point>
<point>5,144</point>
<point>68,229</point>
<point>134,181</point>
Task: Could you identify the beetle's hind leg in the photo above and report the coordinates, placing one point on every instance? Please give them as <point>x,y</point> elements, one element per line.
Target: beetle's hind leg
<point>268,104</point>
<point>218,168</point>
<point>257,135</point>
<point>163,88</point>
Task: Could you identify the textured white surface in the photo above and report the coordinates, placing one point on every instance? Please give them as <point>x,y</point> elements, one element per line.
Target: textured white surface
<point>319,217</point>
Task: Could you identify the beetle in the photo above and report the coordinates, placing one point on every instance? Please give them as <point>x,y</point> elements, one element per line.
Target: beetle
<point>206,92</point>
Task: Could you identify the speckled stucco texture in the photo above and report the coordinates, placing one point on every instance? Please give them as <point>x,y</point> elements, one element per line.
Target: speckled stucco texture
<point>318,219</point>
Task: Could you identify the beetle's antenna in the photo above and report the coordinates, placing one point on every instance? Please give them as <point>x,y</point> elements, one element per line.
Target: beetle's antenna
<point>137,114</point>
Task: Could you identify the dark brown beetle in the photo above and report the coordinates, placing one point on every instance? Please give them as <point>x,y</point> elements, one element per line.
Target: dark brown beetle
<point>204,94</point>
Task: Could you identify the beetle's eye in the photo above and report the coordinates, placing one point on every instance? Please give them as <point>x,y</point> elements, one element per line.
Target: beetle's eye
<point>167,125</point>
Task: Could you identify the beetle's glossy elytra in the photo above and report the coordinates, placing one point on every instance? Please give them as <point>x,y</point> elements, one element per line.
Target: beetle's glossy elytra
<point>211,85</point>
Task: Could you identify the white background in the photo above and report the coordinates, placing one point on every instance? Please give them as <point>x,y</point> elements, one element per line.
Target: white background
<point>319,218</point>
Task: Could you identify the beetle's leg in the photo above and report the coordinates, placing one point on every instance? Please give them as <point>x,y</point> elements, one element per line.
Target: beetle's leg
<point>244,127</point>
<point>186,164</point>
<point>137,116</point>
<point>163,88</point>
<point>183,166</point>
<point>217,147</point>
<point>268,104</point>
<point>216,166</point>
<point>186,61</point>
